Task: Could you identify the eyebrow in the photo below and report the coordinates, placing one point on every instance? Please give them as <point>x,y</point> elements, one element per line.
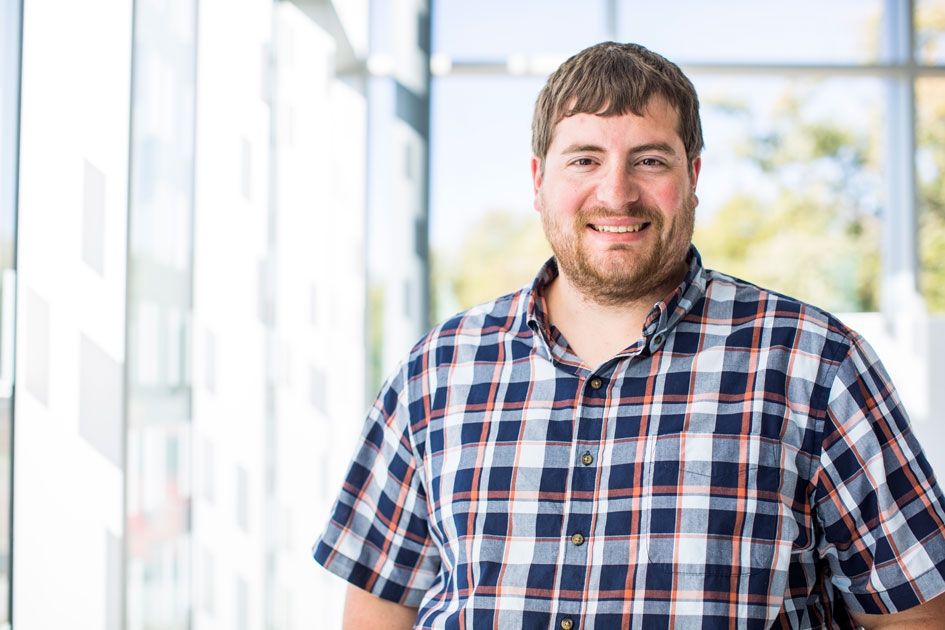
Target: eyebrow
<point>662,147</point>
<point>584,148</point>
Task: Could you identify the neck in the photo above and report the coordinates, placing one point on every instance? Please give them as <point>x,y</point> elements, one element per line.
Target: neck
<point>596,332</point>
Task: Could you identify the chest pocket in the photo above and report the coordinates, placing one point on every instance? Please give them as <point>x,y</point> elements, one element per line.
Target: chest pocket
<point>712,504</point>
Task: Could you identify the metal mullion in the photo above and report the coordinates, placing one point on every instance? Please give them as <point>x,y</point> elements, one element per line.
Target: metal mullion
<point>899,260</point>
<point>10,92</point>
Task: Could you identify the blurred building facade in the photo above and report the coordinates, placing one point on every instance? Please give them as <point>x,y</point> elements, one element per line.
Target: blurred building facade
<point>185,190</point>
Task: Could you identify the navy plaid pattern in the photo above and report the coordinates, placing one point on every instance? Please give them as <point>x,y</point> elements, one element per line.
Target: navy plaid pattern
<point>745,464</point>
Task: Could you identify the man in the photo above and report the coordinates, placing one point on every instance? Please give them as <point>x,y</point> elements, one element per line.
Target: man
<point>635,441</point>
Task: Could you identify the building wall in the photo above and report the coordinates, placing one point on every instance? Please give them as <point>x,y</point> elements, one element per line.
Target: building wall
<point>319,299</point>
<point>398,266</point>
<point>193,181</point>
<point>230,311</point>
<point>68,516</point>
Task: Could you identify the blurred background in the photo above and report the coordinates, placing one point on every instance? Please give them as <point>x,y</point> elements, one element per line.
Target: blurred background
<point>222,222</point>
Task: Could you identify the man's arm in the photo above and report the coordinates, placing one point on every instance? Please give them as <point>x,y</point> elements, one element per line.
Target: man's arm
<point>364,611</point>
<point>927,616</point>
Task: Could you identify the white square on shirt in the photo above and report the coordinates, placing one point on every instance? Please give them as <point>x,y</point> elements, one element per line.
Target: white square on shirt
<point>520,550</point>
<point>803,365</point>
<point>694,501</point>
<point>710,360</point>
<point>691,549</point>
<point>462,374</point>
<point>698,448</point>
<point>916,561</point>
<point>531,455</point>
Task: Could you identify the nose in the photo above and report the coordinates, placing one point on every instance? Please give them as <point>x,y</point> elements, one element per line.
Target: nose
<point>617,189</point>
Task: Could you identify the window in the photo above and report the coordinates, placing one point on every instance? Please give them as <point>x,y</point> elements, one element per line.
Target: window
<point>795,121</point>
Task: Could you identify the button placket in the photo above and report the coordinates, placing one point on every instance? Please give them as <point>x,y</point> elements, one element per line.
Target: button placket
<point>578,513</point>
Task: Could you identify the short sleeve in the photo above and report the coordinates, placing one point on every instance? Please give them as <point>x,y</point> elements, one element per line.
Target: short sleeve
<point>377,537</point>
<point>880,509</point>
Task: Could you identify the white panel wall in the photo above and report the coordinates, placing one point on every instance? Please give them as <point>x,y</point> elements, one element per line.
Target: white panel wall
<point>320,207</point>
<point>230,244</point>
<point>404,321</point>
<point>278,315</point>
<point>70,339</point>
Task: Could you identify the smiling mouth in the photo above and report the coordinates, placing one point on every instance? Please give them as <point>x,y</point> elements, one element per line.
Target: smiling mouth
<point>619,229</point>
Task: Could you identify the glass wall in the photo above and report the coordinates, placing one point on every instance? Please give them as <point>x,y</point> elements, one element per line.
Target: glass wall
<point>398,260</point>
<point>193,181</point>
<point>930,149</point>
<point>792,171</point>
<point>930,32</point>
<point>808,32</point>
<point>930,167</point>
<point>793,120</point>
<point>792,115</point>
<point>160,285</point>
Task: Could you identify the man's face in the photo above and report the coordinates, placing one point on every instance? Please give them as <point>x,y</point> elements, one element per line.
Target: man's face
<point>617,202</point>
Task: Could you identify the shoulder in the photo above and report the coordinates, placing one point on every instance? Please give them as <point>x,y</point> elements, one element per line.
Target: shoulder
<point>472,333</point>
<point>454,355</point>
<point>758,315</point>
<point>473,336</point>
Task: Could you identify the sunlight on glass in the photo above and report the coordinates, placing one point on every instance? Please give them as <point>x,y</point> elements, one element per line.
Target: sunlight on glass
<point>159,536</point>
<point>10,36</point>
<point>491,30</point>
<point>480,196</point>
<point>789,192</point>
<point>746,31</point>
<point>930,31</point>
<point>792,183</point>
<point>930,162</point>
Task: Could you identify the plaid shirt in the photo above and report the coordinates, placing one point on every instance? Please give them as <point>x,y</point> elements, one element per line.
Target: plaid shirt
<point>745,464</point>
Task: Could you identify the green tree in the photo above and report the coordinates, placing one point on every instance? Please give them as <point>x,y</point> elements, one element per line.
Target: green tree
<point>817,237</point>
<point>930,136</point>
<point>502,251</point>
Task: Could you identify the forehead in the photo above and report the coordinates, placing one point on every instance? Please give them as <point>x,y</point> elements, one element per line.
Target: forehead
<point>657,119</point>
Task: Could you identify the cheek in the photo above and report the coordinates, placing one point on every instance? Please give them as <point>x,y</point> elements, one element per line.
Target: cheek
<point>671,198</point>
<point>572,197</point>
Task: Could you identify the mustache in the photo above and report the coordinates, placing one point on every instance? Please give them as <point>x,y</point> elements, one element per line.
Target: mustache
<point>645,213</point>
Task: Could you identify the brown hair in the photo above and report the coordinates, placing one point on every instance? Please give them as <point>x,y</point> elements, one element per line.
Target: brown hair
<point>610,79</point>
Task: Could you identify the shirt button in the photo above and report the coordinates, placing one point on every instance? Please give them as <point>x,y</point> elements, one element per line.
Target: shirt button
<point>567,623</point>
<point>577,539</point>
<point>587,459</point>
<point>657,341</point>
<point>596,383</point>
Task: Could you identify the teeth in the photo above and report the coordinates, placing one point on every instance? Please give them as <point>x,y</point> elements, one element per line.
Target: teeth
<point>619,229</point>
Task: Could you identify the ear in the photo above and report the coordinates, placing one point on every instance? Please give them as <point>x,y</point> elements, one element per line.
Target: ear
<point>694,172</point>
<point>536,179</point>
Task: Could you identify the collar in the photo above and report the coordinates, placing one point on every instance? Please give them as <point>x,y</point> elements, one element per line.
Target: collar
<point>659,322</point>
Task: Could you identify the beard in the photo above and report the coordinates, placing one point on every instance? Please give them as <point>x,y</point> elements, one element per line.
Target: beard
<point>624,272</point>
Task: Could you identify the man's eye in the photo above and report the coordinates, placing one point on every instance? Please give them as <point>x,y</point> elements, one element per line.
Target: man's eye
<point>583,162</point>
<point>651,162</point>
